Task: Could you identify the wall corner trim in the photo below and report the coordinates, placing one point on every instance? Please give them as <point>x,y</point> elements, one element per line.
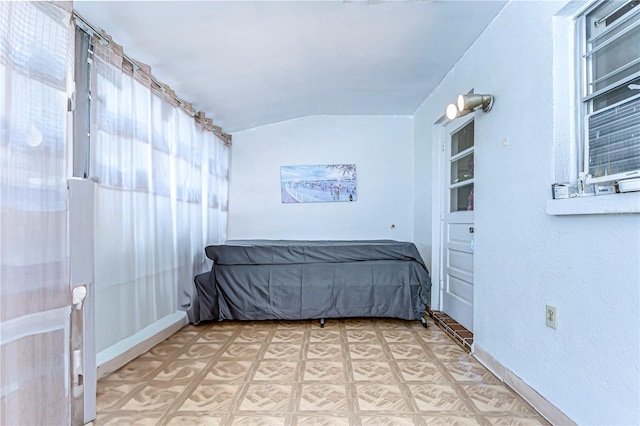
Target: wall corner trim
<point>126,350</point>
<point>537,401</point>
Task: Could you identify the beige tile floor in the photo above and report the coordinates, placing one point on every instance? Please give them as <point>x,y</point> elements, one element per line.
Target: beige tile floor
<point>351,372</point>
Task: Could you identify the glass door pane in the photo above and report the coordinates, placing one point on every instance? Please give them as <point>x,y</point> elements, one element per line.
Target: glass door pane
<point>462,139</point>
<point>461,169</point>
<point>462,198</point>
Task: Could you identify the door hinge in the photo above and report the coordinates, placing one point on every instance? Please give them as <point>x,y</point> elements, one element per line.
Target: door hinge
<point>442,145</point>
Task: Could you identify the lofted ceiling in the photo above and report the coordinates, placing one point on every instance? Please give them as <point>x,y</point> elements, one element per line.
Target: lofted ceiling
<point>251,63</point>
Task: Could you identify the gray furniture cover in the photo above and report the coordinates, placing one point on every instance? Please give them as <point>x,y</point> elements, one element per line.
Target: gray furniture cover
<point>293,280</point>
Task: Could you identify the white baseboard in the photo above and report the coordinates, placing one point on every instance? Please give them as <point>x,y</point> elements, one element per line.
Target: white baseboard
<point>537,401</point>
<point>126,350</point>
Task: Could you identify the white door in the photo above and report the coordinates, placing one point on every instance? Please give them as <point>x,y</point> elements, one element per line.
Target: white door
<point>457,226</point>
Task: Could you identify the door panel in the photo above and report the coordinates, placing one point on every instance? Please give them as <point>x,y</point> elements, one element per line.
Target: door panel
<point>461,265</point>
<point>461,288</point>
<point>459,234</point>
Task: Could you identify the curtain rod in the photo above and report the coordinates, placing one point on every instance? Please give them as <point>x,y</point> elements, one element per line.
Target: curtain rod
<point>93,31</point>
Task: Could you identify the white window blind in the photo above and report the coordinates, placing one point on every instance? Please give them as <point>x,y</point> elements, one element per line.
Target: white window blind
<point>614,141</point>
<point>611,62</point>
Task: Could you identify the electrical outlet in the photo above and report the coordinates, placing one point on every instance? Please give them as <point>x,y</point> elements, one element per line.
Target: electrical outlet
<point>552,317</point>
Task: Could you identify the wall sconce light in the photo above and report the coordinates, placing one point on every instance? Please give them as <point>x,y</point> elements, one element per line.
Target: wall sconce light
<point>468,103</point>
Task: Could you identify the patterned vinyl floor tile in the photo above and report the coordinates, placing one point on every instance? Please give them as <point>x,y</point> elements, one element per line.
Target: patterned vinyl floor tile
<point>153,398</point>
<point>266,397</point>
<point>389,420</point>
<point>290,351</point>
<point>186,335</point>
<point>362,336</point>
<point>367,351</point>
<point>213,336</point>
<point>470,371</point>
<point>381,397</point>
<point>515,421</point>
<point>323,397</point>
<point>496,398</point>
<point>372,371</point>
<point>136,370</point>
<point>355,372</point>
<point>198,351</point>
<point>325,336</point>
<point>321,420</point>
<point>165,350</point>
<point>447,351</point>
<point>324,371</point>
<point>252,335</point>
<point>227,370</point>
<point>288,336</point>
<point>193,419</point>
<point>438,398</point>
<point>276,371</point>
<point>111,395</point>
<point>421,372</point>
<point>399,336</point>
<point>129,418</point>
<point>327,351</point>
<point>241,351</point>
<point>181,370</point>
<point>406,351</point>
<point>210,398</point>
<point>439,420</point>
<point>258,420</point>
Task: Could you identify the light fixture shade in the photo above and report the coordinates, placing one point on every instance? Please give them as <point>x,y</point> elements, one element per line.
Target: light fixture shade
<point>452,111</point>
<point>471,101</point>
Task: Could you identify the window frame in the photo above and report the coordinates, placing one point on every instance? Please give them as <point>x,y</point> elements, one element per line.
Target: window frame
<point>567,150</point>
<point>586,94</point>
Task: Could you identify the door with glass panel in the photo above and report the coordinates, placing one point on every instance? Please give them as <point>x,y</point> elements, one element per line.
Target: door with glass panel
<point>458,226</point>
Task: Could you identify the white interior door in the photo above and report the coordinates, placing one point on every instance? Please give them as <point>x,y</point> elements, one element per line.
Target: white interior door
<point>458,226</point>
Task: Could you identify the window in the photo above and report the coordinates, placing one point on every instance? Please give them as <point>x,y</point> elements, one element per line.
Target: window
<point>609,33</point>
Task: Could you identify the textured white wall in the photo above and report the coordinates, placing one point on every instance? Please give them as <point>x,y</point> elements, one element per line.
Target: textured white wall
<point>586,266</point>
<point>423,193</point>
<point>380,147</point>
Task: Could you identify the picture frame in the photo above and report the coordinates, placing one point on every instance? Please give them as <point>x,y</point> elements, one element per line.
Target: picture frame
<point>318,183</point>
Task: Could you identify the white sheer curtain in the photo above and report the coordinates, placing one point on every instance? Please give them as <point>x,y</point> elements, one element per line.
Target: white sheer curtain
<point>35,61</point>
<point>162,197</point>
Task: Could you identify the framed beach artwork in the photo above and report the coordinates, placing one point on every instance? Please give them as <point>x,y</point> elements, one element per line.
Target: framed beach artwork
<point>318,184</point>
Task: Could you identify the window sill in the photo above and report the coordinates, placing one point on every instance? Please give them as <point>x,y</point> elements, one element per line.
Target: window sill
<point>600,204</point>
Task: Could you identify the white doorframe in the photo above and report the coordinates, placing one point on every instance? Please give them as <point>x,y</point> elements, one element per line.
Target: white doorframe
<point>440,135</point>
<point>436,215</point>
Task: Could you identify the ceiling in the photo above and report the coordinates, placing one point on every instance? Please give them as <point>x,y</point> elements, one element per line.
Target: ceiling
<point>251,63</point>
